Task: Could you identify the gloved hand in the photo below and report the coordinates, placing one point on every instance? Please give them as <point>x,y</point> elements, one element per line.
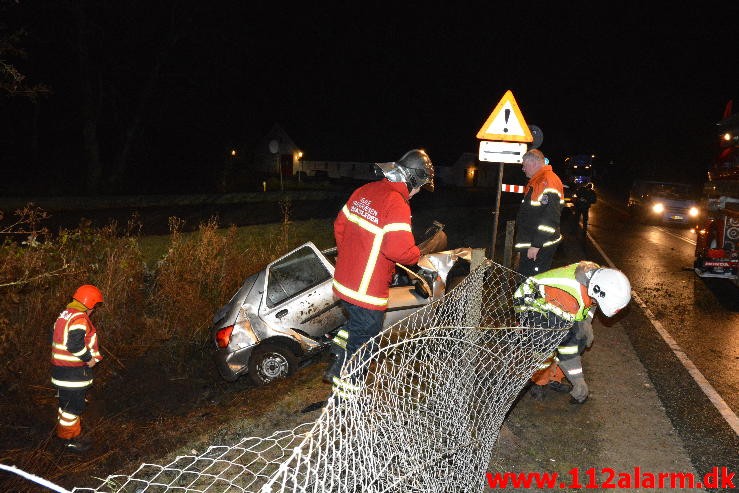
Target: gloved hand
<point>585,331</point>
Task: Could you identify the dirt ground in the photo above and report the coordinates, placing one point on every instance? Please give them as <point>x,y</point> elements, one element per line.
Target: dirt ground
<point>621,426</point>
<point>141,415</point>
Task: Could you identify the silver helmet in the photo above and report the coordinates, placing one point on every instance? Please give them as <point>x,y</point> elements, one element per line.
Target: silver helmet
<point>414,168</point>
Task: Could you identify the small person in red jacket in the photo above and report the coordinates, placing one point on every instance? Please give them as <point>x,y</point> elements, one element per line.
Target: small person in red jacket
<point>74,351</point>
<point>373,232</point>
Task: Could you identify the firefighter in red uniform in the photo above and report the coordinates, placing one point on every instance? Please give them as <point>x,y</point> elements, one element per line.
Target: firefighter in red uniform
<point>537,222</point>
<point>373,233</point>
<point>74,351</point>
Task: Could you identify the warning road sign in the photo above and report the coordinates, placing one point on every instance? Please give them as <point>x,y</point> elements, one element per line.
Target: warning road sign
<point>506,123</point>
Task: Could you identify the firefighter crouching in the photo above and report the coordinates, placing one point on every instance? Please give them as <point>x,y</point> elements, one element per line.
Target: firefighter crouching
<point>74,352</point>
<point>570,294</point>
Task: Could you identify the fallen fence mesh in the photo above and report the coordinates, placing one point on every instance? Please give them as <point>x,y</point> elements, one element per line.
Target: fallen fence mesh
<point>431,393</point>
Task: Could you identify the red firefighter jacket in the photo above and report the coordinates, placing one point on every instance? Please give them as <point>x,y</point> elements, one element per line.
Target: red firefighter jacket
<point>74,343</point>
<point>538,218</point>
<point>373,232</point>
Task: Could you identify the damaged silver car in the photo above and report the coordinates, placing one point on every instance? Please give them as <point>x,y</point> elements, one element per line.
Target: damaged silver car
<point>287,313</point>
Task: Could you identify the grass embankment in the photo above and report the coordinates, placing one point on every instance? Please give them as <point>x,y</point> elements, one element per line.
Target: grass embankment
<point>160,291</point>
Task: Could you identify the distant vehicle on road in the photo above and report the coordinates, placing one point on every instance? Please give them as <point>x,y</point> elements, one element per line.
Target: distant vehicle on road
<point>665,202</point>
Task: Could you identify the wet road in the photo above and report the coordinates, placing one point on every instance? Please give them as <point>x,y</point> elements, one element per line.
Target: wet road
<point>698,317</point>
<point>702,315</point>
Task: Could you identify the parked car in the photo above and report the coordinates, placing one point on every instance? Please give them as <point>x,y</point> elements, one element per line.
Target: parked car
<point>664,202</point>
<point>287,313</point>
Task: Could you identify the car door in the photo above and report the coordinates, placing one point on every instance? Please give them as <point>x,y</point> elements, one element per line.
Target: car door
<point>298,293</point>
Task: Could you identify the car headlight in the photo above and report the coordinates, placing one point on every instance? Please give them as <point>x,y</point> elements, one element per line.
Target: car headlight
<point>693,212</point>
<point>659,208</point>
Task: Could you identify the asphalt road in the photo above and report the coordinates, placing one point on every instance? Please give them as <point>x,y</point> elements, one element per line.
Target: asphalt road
<point>675,320</point>
<point>646,410</point>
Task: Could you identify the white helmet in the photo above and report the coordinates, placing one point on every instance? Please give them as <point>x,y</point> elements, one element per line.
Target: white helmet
<point>610,289</point>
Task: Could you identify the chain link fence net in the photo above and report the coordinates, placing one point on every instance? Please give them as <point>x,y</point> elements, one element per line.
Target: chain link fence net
<point>430,396</point>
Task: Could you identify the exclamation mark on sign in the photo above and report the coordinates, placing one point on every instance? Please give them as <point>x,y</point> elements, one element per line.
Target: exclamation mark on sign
<point>507,114</point>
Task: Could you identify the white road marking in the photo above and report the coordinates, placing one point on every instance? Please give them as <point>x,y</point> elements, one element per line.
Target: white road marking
<point>721,406</point>
<point>686,240</point>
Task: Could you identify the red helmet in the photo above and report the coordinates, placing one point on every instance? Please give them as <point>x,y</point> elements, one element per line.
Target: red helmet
<point>88,295</point>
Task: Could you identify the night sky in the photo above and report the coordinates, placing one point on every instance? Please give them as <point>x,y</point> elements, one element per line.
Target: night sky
<point>637,83</point>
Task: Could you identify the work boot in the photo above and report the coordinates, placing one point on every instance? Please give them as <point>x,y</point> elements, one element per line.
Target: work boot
<point>334,370</point>
<point>560,387</point>
<point>77,445</point>
<point>576,401</point>
<point>580,392</point>
<point>537,392</point>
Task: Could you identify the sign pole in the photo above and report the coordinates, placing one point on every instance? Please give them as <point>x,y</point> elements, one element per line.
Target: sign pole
<point>496,212</point>
<point>503,137</point>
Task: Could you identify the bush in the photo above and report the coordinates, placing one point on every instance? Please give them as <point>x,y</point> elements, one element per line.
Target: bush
<point>165,308</point>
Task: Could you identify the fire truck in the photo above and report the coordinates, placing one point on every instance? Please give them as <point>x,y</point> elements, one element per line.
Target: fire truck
<point>717,240</point>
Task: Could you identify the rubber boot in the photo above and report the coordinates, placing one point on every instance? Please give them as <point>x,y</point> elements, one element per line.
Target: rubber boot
<point>538,392</point>
<point>562,387</point>
<point>334,370</point>
<point>77,445</point>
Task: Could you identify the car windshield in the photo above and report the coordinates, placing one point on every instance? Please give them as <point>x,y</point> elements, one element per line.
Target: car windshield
<point>297,272</point>
<point>671,190</point>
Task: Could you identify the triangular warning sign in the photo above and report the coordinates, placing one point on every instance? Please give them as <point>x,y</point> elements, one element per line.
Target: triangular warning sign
<point>506,123</point>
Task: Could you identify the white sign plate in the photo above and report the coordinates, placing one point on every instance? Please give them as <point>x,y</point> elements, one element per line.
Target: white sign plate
<point>501,152</point>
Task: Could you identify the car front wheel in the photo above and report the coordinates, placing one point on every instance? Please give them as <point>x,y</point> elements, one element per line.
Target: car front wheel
<point>271,362</point>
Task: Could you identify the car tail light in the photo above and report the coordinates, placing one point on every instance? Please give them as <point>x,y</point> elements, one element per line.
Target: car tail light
<point>223,336</point>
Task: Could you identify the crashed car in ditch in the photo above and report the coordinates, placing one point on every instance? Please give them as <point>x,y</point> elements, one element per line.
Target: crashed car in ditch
<point>287,313</point>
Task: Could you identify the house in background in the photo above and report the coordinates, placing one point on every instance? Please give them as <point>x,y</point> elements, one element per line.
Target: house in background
<point>468,172</point>
<point>278,155</point>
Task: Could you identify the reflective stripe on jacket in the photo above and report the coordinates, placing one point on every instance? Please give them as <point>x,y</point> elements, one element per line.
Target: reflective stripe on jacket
<point>555,291</point>
<point>537,222</point>
<point>373,232</point>
<point>74,343</point>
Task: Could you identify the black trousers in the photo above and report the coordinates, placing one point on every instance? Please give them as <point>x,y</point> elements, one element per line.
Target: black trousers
<point>543,261</point>
<point>584,212</point>
<point>72,400</point>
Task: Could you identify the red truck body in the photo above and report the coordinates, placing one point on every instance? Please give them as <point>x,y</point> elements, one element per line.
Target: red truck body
<point>717,245</point>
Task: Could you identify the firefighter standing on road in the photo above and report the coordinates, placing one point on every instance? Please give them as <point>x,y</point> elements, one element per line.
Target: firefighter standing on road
<point>570,294</point>
<point>373,232</point>
<point>537,222</point>
<point>74,351</point>
<point>584,198</point>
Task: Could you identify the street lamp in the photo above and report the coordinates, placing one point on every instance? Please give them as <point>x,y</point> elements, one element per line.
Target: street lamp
<point>300,168</point>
